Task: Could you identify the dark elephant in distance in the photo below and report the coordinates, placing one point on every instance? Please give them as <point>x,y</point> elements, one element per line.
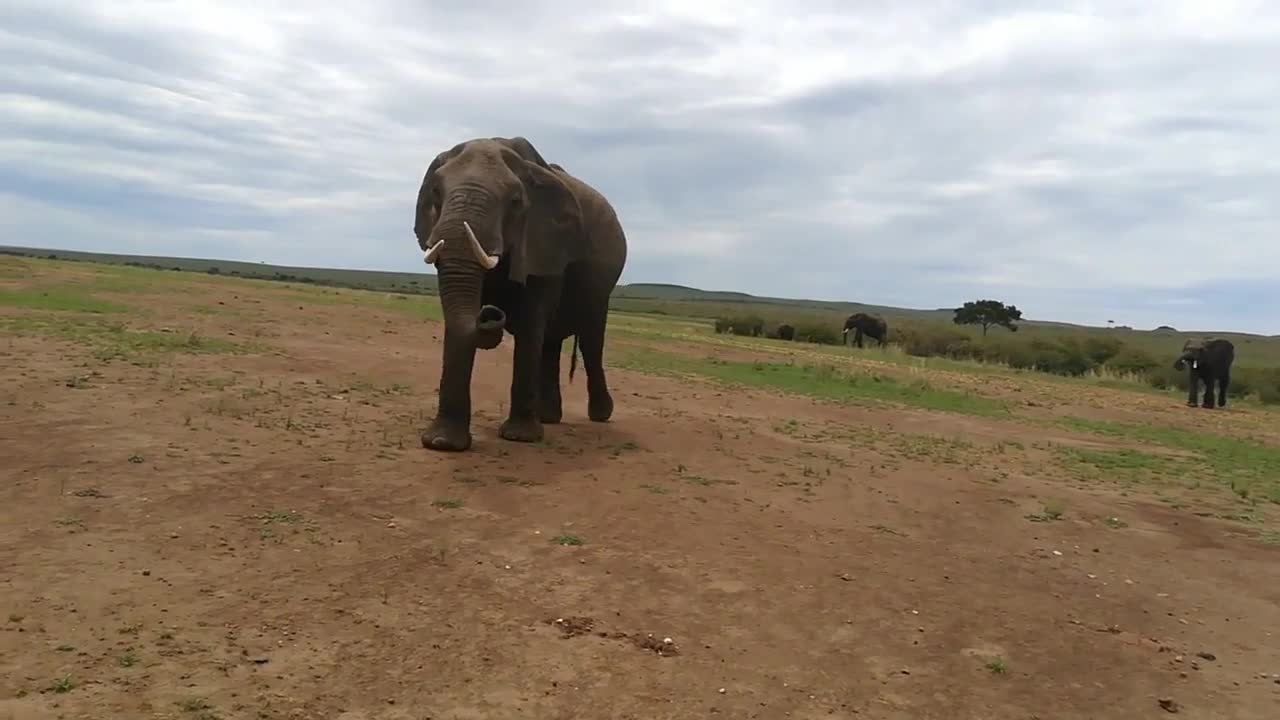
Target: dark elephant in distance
<point>863,324</point>
<point>518,244</point>
<point>786,332</point>
<point>1209,361</point>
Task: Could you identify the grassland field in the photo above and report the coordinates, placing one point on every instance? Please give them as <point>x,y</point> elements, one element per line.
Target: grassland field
<point>216,506</point>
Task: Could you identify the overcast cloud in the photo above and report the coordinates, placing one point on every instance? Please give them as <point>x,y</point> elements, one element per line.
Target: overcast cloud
<point>1089,161</point>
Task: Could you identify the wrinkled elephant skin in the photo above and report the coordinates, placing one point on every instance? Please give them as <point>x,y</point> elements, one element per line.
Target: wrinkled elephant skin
<point>863,324</point>
<point>518,245</point>
<point>1208,362</point>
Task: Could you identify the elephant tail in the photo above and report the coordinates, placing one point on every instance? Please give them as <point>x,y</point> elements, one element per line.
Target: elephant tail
<point>573,357</point>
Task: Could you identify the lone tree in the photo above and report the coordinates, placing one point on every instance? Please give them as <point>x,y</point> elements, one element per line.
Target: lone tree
<point>987,313</point>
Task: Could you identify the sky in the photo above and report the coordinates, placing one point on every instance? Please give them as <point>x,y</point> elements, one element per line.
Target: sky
<point>1087,161</point>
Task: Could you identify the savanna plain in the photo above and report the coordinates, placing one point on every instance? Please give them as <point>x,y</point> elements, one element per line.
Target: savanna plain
<point>215,505</point>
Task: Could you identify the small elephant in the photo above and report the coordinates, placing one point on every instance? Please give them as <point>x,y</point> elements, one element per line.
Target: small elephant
<point>786,332</point>
<point>518,244</point>
<point>1209,361</point>
<point>872,326</point>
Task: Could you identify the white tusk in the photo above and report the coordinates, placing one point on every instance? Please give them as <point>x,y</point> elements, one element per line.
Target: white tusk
<point>488,261</point>
<point>433,253</point>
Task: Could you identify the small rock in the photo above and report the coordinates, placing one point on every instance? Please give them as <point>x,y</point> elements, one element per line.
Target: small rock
<point>1169,705</point>
<point>146,573</point>
<point>391,524</point>
<point>173,535</point>
<point>1207,656</point>
<point>723,691</point>
<point>1058,553</point>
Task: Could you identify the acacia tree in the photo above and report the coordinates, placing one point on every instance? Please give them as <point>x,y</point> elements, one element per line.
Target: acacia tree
<point>987,313</point>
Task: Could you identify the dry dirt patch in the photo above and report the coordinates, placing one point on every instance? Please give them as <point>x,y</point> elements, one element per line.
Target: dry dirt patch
<point>259,534</point>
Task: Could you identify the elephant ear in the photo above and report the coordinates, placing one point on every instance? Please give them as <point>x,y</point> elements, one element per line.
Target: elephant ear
<point>424,215</point>
<point>553,233</point>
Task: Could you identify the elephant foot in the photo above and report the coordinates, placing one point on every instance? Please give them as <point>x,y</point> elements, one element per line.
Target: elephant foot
<point>447,436</point>
<point>600,408</point>
<point>1193,404</point>
<point>1207,406</point>
<point>521,430</point>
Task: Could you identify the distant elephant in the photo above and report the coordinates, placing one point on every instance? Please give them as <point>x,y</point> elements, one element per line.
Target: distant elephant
<point>786,332</point>
<point>872,326</point>
<point>1209,361</point>
<point>521,245</point>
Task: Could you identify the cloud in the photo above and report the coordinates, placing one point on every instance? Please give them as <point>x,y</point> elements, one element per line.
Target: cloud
<point>1087,161</point>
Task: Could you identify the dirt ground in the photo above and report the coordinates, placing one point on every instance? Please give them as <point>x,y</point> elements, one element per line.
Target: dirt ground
<point>260,535</point>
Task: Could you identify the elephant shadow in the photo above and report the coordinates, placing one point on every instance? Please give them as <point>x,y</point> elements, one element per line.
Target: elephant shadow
<point>575,438</point>
<point>590,440</point>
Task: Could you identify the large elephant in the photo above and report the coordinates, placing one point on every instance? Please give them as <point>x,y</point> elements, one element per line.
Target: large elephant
<point>861,324</point>
<point>786,332</point>
<point>1210,361</point>
<point>518,244</point>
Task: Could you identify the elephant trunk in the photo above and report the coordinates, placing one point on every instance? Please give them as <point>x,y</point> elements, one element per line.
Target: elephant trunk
<point>489,325</point>
<point>460,297</point>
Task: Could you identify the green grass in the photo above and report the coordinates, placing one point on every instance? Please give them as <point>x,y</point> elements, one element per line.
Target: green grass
<point>58,298</point>
<point>817,381</point>
<point>1249,469</point>
<point>110,340</point>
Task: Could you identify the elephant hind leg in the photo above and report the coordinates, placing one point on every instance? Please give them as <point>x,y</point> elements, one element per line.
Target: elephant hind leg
<point>591,343</point>
<point>1223,381</point>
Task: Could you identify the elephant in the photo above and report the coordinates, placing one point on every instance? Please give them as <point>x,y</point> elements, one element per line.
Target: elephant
<point>1210,361</point>
<point>863,324</point>
<point>786,332</point>
<point>520,245</point>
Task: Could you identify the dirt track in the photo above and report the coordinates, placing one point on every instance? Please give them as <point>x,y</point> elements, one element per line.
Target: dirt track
<point>261,536</point>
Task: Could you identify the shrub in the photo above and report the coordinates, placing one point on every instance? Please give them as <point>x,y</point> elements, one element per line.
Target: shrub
<point>1133,360</point>
<point>751,325</point>
<point>1265,382</point>
<point>817,332</point>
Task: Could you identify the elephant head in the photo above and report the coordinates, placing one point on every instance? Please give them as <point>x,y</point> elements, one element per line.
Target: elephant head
<point>1192,352</point>
<point>1215,353</point>
<point>490,209</point>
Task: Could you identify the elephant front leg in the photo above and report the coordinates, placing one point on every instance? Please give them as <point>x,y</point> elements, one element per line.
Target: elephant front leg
<point>1223,381</point>
<point>522,423</point>
<point>1193,389</point>
<point>450,431</point>
<point>1208,392</point>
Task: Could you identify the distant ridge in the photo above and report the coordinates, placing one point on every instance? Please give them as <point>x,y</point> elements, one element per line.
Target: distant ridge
<point>425,284</point>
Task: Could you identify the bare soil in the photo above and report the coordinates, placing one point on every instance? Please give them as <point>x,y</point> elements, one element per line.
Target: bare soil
<point>261,536</point>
